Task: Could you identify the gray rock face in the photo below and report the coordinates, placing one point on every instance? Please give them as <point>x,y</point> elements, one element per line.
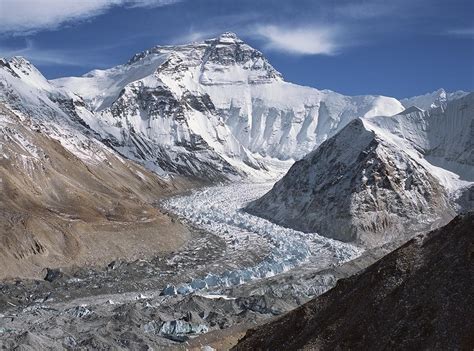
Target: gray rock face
<point>354,188</point>
<point>379,177</point>
<point>190,155</point>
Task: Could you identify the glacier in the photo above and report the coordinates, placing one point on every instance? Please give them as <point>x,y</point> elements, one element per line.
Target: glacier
<point>218,209</point>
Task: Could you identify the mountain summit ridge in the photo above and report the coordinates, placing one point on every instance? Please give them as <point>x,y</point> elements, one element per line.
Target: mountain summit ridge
<point>229,97</point>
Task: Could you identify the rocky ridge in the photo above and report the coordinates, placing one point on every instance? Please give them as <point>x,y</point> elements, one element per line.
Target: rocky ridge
<point>381,178</point>
<point>420,296</point>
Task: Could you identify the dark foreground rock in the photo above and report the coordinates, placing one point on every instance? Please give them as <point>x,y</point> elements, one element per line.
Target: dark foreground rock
<point>420,296</point>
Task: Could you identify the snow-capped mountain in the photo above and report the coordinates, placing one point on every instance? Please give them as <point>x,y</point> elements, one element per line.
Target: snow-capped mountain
<point>215,108</point>
<point>437,98</point>
<point>381,178</point>
<point>57,112</point>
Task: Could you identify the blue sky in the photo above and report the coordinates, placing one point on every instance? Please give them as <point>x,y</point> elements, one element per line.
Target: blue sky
<point>398,48</point>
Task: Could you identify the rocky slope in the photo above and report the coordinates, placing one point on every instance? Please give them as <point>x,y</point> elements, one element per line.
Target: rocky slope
<point>212,109</point>
<point>418,297</point>
<point>62,204</point>
<point>380,178</point>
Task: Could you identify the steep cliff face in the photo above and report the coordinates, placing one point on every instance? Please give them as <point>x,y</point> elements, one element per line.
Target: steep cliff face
<point>380,178</point>
<point>420,296</point>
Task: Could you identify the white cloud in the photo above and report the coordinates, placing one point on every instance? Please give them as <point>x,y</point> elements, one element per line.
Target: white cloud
<point>148,3</point>
<point>26,16</point>
<point>92,58</point>
<point>193,36</point>
<point>365,10</point>
<point>467,32</point>
<point>302,41</point>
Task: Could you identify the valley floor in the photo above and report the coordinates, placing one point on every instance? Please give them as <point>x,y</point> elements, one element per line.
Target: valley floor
<point>236,271</point>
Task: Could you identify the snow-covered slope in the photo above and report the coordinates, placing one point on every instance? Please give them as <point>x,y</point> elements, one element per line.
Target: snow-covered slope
<point>437,98</point>
<point>380,176</point>
<point>215,107</point>
<point>57,112</point>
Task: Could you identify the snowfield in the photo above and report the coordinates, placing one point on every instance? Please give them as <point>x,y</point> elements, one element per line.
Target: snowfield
<point>218,209</point>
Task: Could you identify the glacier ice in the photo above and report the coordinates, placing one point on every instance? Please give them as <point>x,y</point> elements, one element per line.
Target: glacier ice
<point>218,209</point>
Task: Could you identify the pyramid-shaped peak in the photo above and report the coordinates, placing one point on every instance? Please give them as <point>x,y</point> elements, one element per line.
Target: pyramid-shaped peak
<point>229,35</point>
<point>227,38</point>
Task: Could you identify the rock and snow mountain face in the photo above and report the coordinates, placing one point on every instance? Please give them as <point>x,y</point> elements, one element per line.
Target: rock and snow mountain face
<point>57,112</point>
<point>380,178</point>
<point>212,109</point>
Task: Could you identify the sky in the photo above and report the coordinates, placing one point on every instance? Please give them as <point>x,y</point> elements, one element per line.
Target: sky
<point>397,48</point>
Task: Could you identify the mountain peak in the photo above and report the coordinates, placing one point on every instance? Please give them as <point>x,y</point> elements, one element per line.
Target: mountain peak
<point>20,60</point>
<point>227,37</point>
<point>431,100</point>
<point>20,67</point>
<point>15,61</point>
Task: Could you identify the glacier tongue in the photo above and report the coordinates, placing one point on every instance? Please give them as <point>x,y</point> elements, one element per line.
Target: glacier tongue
<point>218,209</point>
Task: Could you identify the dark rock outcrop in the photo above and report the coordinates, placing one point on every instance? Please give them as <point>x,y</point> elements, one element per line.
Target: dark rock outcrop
<point>419,297</point>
